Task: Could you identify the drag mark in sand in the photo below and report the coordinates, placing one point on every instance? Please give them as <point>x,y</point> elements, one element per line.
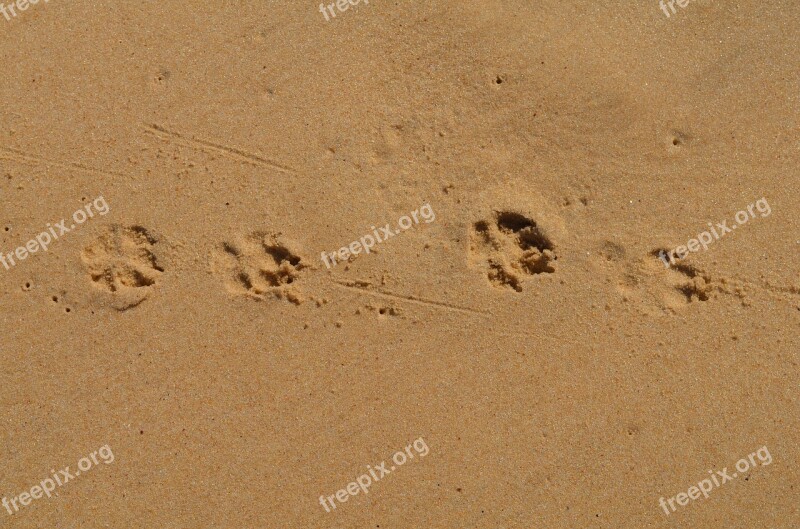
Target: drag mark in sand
<point>208,146</point>
<point>22,157</point>
<point>366,287</point>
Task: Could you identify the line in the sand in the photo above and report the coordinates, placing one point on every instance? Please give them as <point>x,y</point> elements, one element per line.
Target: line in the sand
<point>409,298</point>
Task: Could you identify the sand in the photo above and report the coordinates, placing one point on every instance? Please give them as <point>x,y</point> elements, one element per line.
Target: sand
<point>547,252</point>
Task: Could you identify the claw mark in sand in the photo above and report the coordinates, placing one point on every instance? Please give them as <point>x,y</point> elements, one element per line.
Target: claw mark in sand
<point>22,157</point>
<point>206,146</point>
<point>366,287</point>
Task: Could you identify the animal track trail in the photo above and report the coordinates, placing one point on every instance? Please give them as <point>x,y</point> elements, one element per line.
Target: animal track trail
<point>509,247</point>
<point>261,265</point>
<point>122,262</point>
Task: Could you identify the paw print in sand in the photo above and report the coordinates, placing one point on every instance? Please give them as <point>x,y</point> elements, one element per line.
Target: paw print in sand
<point>121,261</point>
<point>509,247</point>
<point>261,265</point>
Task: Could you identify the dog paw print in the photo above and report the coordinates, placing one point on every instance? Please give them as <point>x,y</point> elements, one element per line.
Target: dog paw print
<point>653,285</point>
<point>509,247</point>
<point>261,265</point>
<point>122,262</point>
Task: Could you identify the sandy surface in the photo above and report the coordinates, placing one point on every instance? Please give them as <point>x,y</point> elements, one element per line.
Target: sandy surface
<point>518,337</point>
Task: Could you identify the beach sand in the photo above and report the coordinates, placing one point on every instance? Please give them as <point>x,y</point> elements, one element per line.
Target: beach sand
<point>551,326</point>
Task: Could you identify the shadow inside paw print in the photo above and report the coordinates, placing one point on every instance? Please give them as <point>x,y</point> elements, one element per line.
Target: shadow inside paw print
<point>261,265</point>
<point>509,247</point>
